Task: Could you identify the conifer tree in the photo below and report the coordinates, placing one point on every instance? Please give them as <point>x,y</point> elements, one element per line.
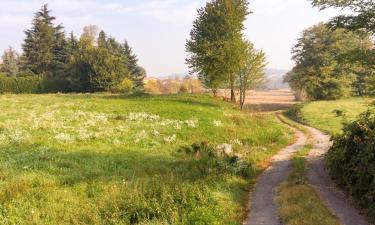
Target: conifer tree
<point>44,47</point>
<point>137,73</point>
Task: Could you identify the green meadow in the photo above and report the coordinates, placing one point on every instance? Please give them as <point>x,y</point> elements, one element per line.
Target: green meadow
<point>110,159</point>
<point>329,116</point>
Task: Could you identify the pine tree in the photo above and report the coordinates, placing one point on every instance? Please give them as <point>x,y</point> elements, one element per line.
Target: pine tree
<point>44,46</point>
<point>137,73</point>
<point>10,65</point>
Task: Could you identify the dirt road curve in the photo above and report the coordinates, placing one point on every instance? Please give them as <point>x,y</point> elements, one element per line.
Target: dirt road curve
<point>263,209</point>
<point>322,183</point>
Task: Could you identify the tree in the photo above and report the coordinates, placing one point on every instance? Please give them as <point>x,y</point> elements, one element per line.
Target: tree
<point>216,43</point>
<point>253,72</point>
<point>10,65</point>
<point>44,46</point>
<point>96,65</point>
<point>137,73</point>
<point>323,69</point>
<point>363,18</point>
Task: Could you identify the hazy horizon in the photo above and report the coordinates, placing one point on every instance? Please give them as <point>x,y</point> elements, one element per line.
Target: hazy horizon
<point>157,29</point>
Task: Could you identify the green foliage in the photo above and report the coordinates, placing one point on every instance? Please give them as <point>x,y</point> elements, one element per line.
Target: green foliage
<point>44,50</point>
<point>325,67</point>
<point>216,44</point>
<point>32,85</point>
<point>20,85</point>
<point>10,62</point>
<point>252,74</point>
<point>351,160</point>
<point>125,87</point>
<point>363,18</point>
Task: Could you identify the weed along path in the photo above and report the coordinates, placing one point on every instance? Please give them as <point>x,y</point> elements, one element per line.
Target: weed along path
<point>263,209</point>
<point>324,186</point>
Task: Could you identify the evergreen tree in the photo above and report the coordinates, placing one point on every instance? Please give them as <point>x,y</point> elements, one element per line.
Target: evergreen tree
<point>10,65</point>
<point>137,73</point>
<point>44,46</point>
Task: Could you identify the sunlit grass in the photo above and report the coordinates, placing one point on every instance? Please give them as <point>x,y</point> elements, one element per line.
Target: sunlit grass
<point>321,115</point>
<point>107,159</point>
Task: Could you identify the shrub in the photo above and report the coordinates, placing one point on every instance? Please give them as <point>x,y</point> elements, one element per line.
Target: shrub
<point>20,85</point>
<point>125,87</point>
<point>53,85</point>
<point>33,85</point>
<point>351,160</point>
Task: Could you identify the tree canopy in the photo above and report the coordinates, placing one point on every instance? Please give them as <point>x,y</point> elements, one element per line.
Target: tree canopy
<point>326,62</point>
<point>216,45</point>
<point>362,19</point>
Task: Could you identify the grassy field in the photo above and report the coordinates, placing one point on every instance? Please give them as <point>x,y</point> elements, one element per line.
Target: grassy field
<point>104,159</point>
<point>322,114</point>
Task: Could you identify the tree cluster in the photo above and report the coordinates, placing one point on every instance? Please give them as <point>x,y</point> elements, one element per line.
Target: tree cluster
<point>331,64</point>
<point>93,62</point>
<point>218,51</point>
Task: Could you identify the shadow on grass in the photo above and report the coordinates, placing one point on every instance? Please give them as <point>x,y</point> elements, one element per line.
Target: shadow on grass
<point>85,166</point>
<point>186,99</point>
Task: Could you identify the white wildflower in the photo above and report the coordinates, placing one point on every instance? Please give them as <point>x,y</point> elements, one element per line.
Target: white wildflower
<point>170,139</point>
<point>155,133</point>
<point>191,123</point>
<point>236,142</point>
<point>217,123</point>
<point>140,136</point>
<point>63,137</point>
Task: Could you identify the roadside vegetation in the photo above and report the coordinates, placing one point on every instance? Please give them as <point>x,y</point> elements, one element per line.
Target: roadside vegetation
<point>107,159</point>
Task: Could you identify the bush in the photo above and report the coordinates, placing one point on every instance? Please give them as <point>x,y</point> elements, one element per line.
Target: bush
<point>20,85</point>
<point>32,85</point>
<point>351,160</point>
<point>125,87</point>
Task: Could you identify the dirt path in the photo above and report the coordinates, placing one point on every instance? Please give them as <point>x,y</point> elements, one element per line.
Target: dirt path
<point>318,177</point>
<point>263,209</point>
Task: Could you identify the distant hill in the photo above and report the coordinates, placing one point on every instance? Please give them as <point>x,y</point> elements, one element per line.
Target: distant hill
<point>274,79</point>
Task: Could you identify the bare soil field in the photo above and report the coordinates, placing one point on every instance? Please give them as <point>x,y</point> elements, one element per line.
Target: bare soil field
<point>266,101</point>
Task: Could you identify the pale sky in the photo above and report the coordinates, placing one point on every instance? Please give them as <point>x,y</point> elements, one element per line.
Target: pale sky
<point>157,29</point>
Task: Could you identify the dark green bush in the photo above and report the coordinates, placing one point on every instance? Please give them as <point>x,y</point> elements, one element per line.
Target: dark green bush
<point>351,160</point>
<point>53,85</point>
<point>32,85</point>
<point>20,85</point>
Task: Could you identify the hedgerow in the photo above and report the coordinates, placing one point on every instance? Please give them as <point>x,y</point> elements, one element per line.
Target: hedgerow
<point>351,160</point>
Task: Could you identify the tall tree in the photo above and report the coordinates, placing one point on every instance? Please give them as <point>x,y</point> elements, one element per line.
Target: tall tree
<point>11,62</point>
<point>323,69</point>
<point>44,45</point>
<point>252,74</point>
<point>137,73</point>
<point>362,19</point>
<point>216,43</point>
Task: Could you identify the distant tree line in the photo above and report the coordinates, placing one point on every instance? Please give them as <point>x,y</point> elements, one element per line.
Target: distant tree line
<point>218,51</point>
<point>336,59</point>
<point>90,63</point>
